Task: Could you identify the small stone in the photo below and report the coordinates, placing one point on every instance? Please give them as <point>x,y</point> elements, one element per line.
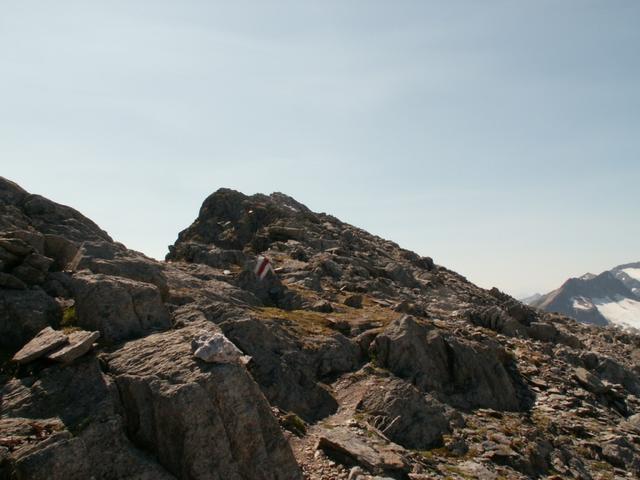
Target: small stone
<point>48,339</point>
<point>322,306</point>
<point>356,473</point>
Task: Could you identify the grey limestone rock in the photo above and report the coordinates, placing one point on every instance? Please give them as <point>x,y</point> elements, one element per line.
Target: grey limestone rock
<point>467,374</point>
<point>65,425</point>
<point>200,420</point>
<point>119,308</point>
<point>404,414</point>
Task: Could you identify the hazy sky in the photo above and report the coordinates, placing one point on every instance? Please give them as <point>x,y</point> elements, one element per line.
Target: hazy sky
<point>502,138</point>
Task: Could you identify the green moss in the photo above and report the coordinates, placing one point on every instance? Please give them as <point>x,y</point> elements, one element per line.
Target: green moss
<point>458,471</point>
<point>601,466</point>
<point>294,424</point>
<point>69,317</point>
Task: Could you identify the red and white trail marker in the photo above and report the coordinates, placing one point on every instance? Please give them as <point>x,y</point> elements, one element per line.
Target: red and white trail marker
<point>263,266</point>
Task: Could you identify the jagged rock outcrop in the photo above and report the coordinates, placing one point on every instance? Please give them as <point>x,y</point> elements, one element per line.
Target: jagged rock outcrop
<point>467,373</point>
<point>111,258</point>
<point>21,210</point>
<point>283,370</point>
<point>366,360</point>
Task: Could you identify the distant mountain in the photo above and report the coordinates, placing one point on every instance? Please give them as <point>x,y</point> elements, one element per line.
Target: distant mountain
<point>531,299</point>
<point>613,297</point>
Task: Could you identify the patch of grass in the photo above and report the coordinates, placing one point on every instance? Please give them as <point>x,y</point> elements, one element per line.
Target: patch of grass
<point>603,470</point>
<point>316,323</point>
<point>294,424</point>
<point>457,471</point>
<point>308,321</point>
<point>69,318</point>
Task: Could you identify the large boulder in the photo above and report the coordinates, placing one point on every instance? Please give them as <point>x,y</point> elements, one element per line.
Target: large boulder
<point>119,308</point>
<point>403,414</point>
<point>200,420</point>
<point>464,373</point>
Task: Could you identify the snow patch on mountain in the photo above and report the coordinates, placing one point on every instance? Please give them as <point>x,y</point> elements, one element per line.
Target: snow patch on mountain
<point>581,303</point>
<point>632,272</point>
<point>619,310</point>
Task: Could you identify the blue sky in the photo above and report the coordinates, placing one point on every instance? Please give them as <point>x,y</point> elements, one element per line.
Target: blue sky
<point>502,138</point>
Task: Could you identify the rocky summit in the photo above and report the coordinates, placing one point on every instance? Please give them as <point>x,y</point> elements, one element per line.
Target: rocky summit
<point>351,359</point>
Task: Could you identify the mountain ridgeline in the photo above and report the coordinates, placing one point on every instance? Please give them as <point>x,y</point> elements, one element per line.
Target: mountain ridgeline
<point>353,359</point>
<point>611,298</point>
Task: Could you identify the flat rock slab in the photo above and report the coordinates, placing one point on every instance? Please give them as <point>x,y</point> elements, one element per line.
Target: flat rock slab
<point>79,344</point>
<point>589,381</point>
<point>46,340</point>
<point>353,447</point>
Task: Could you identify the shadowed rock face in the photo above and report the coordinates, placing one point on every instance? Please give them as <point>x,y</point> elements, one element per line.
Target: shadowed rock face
<point>473,383</point>
<point>65,424</point>
<point>23,313</point>
<point>468,374</point>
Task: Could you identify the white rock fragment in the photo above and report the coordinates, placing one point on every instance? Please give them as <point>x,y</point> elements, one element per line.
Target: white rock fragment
<point>216,348</point>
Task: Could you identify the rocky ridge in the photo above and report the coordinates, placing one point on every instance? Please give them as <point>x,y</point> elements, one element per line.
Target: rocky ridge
<point>360,359</point>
